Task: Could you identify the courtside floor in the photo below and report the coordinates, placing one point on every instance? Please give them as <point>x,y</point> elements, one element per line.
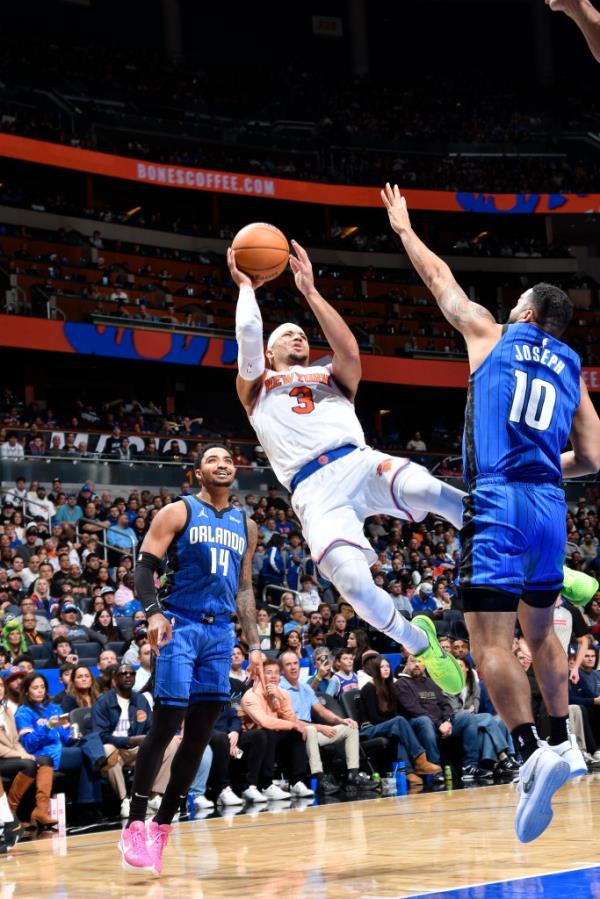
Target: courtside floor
<point>453,845</point>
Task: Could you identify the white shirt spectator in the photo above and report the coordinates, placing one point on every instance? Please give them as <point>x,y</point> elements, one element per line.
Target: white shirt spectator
<point>417,444</point>
<point>41,506</point>
<point>12,449</point>
<point>309,600</point>
<point>15,496</point>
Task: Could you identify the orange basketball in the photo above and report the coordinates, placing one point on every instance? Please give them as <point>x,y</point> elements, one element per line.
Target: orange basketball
<point>261,250</point>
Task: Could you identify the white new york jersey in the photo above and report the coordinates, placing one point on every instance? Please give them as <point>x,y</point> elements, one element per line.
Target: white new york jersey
<point>300,414</point>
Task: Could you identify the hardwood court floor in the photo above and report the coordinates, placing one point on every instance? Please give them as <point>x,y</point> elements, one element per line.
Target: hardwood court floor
<point>385,847</point>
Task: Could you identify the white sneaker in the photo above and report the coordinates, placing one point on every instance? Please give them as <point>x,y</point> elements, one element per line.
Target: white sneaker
<point>275,792</point>
<point>539,778</point>
<point>596,756</point>
<point>154,803</point>
<point>571,753</point>
<point>300,789</point>
<point>253,794</point>
<point>228,797</point>
<point>125,807</point>
<point>201,802</point>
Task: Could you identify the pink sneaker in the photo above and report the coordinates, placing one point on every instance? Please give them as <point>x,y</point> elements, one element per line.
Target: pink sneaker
<point>132,844</point>
<point>157,839</point>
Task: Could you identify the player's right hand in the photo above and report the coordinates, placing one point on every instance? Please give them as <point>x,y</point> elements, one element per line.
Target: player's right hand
<point>160,631</point>
<point>241,278</point>
<point>396,207</point>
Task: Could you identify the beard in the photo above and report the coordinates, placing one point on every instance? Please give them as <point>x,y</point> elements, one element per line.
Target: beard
<point>298,359</point>
<point>212,481</point>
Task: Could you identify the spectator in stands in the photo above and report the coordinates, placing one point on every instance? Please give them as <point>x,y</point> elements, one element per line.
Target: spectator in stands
<point>323,663</point>
<point>41,595</point>
<point>309,597</point>
<point>586,692</point>
<point>122,719</point>
<point>416,444</point>
<point>263,623</point>
<point>336,638</point>
<point>274,565</point>
<point>433,718</point>
<point>31,545</point>
<point>41,507</point>
<point>383,719</point>
<point>423,601</point>
<point>30,623</point>
<point>316,639</point>
<point>13,639</point>
<point>121,536</point>
<point>70,511</point>
<point>333,730</point>
<point>269,708</point>
<point>82,690</point>
<point>103,624</point>
<point>65,673</point>
<point>62,650</point>
<point>344,677</point>
<point>293,643</point>
<point>69,616</point>
<point>13,679</point>
<point>357,642</point>
<point>16,496</point>
<point>276,638</point>
<point>21,766</point>
<point>42,730</point>
<point>144,672</point>
<point>107,659</point>
<point>131,652</point>
<point>11,450</point>
<point>237,671</point>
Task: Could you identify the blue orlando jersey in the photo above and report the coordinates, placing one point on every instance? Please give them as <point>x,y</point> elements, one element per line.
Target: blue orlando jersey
<point>203,561</point>
<point>520,407</point>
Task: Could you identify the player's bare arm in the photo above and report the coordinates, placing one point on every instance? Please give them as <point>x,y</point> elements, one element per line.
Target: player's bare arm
<point>473,321</point>
<point>249,335</point>
<point>346,366</point>
<point>585,16</point>
<point>169,521</point>
<point>584,457</point>
<point>246,607</point>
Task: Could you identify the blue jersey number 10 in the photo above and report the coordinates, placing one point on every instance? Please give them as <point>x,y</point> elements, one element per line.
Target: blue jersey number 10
<point>219,558</point>
<point>533,402</point>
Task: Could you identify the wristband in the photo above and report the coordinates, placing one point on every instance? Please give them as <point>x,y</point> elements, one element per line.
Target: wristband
<point>254,648</point>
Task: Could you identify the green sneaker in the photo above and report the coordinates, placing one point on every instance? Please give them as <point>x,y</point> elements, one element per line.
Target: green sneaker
<point>441,667</point>
<point>578,587</point>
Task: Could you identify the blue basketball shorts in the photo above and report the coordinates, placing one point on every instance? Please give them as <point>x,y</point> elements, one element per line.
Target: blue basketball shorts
<point>195,663</point>
<point>513,543</point>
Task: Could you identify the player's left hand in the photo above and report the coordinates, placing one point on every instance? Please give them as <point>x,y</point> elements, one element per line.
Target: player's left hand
<point>397,211</point>
<point>301,266</point>
<point>160,631</point>
<point>255,668</point>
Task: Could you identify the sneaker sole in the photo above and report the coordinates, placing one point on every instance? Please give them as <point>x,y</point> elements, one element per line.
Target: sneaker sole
<point>127,867</point>
<point>535,813</point>
<point>451,680</point>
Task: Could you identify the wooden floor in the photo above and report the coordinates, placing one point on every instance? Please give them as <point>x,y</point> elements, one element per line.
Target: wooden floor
<point>384,847</point>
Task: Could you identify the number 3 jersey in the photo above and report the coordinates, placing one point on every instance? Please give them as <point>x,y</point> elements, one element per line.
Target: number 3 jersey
<point>299,414</point>
<point>203,562</point>
<point>520,407</point>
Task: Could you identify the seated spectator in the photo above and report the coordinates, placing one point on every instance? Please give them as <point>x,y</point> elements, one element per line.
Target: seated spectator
<point>82,690</point>
<point>13,678</point>
<point>65,672</point>
<point>269,708</point>
<point>103,624</point>
<point>43,728</point>
<point>62,650</point>
<point>326,615</point>
<point>23,767</point>
<point>324,666</point>
<point>333,730</point>
<point>383,719</point>
<point>586,692</point>
<point>237,672</point>
<point>69,615</point>
<point>144,672</point>
<point>98,604</point>
<point>25,662</point>
<point>36,628</point>
<point>336,638</point>
<point>263,622</point>
<point>274,567</point>
<point>13,639</point>
<point>122,718</point>
<point>297,620</point>
<point>344,676</point>
<point>292,641</point>
<point>131,653</point>
<point>69,512</point>
<point>309,594</point>
<point>365,674</point>
<point>286,604</point>
<point>423,601</point>
<point>107,659</point>
<point>433,719</point>
<point>316,639</point>
<point>276,637</point>
<point>357,642</point>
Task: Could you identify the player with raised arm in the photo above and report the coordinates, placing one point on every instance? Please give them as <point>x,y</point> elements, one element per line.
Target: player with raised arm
<point>585,16</point>
<point>203,547</point>
<point>305,420</point>
<point>526,396</point>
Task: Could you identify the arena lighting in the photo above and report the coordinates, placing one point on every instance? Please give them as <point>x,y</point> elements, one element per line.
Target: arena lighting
<point>133,211</point>
<point>348,231</point>
<point>384,411</point>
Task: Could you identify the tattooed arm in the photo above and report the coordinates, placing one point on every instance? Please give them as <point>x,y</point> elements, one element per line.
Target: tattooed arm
<point>246,607</point>
<point>471,319</point>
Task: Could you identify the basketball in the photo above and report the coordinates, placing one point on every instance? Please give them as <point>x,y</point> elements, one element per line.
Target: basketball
<point>261,250</point>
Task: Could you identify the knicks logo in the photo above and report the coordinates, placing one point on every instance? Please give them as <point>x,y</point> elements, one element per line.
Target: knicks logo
<point>383,467</point>
<point>323,460</point>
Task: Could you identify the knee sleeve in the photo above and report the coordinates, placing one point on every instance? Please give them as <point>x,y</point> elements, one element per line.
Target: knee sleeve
<point>349,571</point>
<point>420,492</point>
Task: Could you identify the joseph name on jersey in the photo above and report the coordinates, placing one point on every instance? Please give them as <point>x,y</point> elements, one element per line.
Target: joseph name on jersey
<point>301,413</point>
<point>204,560</point>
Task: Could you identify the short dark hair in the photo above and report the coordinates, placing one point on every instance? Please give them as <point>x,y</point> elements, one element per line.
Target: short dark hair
<point>553,308</point>
<point>343,651</point>
<point>58,640</point>
<point>210,446</point>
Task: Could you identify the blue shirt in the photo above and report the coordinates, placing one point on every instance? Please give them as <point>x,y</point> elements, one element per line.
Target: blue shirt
<point>42,740</point>
<point>520,407</point>
<point>204,561</point>
<point>302,697</point>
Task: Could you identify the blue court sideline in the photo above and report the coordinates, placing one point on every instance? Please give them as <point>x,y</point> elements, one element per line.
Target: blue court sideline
<point>580,884</point>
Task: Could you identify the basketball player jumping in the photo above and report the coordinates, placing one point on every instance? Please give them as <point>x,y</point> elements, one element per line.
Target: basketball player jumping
<point>304,418</point>
<point>526,397</point>
<point>209,547</point>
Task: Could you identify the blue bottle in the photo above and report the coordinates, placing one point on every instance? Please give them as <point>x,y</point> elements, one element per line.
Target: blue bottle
<point>401,783</point>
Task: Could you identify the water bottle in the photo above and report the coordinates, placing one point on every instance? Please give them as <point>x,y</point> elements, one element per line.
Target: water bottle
<point>448,777</point>
<point>400,775</point>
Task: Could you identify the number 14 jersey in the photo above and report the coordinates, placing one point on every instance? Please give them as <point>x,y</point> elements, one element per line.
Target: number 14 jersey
<point>520,407</point>
<point>300,414</point>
